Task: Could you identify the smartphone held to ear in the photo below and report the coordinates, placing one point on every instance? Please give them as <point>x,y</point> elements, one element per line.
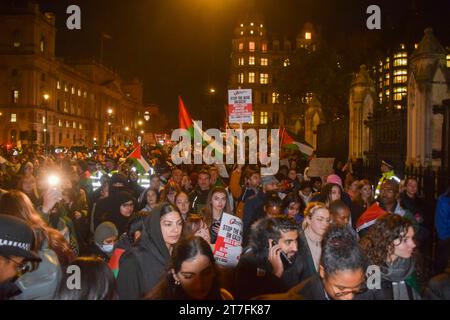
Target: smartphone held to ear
<point>285,259</point>
<point>287,262</point>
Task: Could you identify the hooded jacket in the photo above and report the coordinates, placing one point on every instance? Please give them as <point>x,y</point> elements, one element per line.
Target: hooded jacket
<point>143,266</point>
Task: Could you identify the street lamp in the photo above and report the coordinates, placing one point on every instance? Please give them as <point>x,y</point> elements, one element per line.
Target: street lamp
<point>140,122</point>
<point>109,142</point>
<point>147,115</point>
<point>46,98</point>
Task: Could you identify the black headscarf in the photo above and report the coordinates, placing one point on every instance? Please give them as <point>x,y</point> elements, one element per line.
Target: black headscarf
<point>114,215</point>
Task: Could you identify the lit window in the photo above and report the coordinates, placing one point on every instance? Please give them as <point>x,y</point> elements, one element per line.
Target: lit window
<point>251,77</point>
<point>416,46</point>
<point>398,106</point>
<point>242,25</point>
<point>66,89</point>
<point>59,123</point>
<point>387,59</point>
<point>80,126</point>
<point>241,61</point>
<point>251,31</point>
<point>261,25</point>
<point>13,117</point>
<point>251,61</point>
<point>73,90</point>
<point>264,78</point>
<point>251,46</point>
<point>387,92</point>
<point>448,61</point>
<point>264,62</point>
<point>251,24</point>
<point>275,97</point>
<point>65,107</point>
<point>240,78</point>
<point>241,46</point>
<point>400,72</point>
<point>85,94</point>
<point>58,85</point>
<point>16,44</point>
<point>400,89</point>
<point>380,96</point>
<point>264,47</point>
<point>263,117</point>
<point>43,120</point>
<point>402,46</point>
<point>67,124</point>
<point>397,96</point>
<point>286,62</point>
<point>74,125</point>
<point>15,96</point>
<point>242,33</point>
<point>79,92</point>
<point>42,45</point>
<point>260,33</point>
<point>400,62</point>
<point>387,76</point>
<point>253,118</point>
<point>386,82</point>
<point>400,55</point>
<point>308,35</point>
<point>400,79</point>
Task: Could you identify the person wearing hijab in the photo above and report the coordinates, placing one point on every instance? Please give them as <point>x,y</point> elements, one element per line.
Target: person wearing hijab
<point>142,267</point>
<point>120,210</point>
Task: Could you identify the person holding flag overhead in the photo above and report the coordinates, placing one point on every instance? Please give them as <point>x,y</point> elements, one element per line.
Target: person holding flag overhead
<point>288,142</point>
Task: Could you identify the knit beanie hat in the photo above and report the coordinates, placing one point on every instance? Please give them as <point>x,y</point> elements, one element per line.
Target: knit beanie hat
<point>104,231</point>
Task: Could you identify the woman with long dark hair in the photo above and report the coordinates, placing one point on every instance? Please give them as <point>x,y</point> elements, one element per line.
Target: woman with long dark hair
<point>216,204</point>
<point>96,281</point>
<point>141,267</point>
<point>150,200</point>
<point>193,274</point>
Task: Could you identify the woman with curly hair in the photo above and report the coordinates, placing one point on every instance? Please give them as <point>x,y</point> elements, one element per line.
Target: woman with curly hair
<point>389,244</point>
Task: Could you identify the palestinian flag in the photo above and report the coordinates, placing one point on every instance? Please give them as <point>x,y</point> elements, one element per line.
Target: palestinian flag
<point>186,122</point>
<point>288,142</point>
<point>114,261</point>
<point>139,162</point>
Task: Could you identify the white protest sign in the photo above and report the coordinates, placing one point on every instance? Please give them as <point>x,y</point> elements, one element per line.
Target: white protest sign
<point>240,106</point>
<point>228,247</point>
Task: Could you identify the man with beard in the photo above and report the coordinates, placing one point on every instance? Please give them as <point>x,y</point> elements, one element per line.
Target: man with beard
<point>271,263</point>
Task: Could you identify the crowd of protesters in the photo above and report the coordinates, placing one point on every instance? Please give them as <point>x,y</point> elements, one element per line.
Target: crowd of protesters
<point>303,237</point>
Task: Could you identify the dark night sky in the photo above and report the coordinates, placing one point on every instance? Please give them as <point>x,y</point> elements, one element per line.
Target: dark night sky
<point>181,46</point>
